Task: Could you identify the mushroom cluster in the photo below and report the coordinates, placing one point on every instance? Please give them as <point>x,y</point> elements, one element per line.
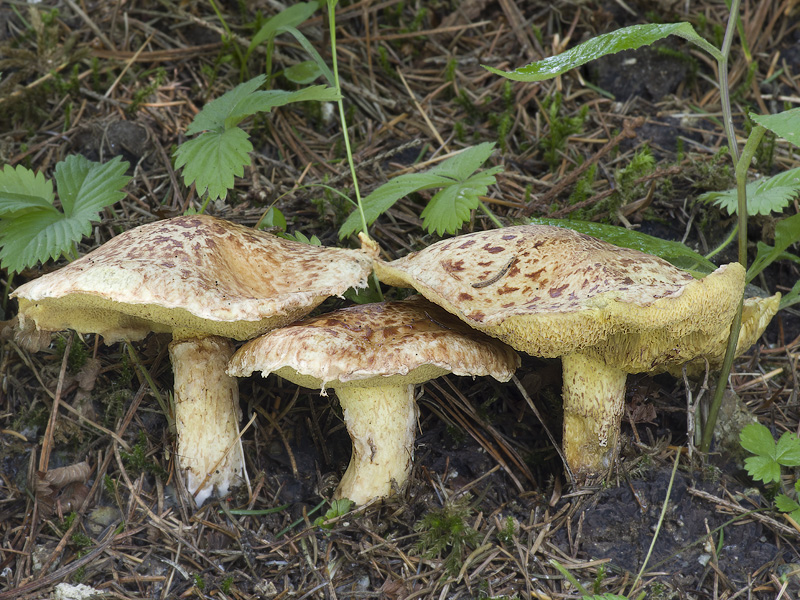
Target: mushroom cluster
<point>206,281</point>
<point>551,292</point>
<point>605,311</point>
<point>373,355</point>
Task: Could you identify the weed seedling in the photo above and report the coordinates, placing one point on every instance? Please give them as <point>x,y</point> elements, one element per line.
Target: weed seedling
<point>769,457</point>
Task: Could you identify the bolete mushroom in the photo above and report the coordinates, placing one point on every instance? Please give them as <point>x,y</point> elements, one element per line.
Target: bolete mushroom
<point>205,281</point>
<point>606,311</point>
<point>373,355</point>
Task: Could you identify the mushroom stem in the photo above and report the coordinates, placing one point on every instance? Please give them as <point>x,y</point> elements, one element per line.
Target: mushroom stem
<point>206,416</point>
<point>381,421</point>
<point>594,398</point>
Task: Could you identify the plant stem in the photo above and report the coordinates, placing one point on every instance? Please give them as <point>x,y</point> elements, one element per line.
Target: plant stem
<point>332,26</point>
<point>733,149</point>
<point>490,214</point>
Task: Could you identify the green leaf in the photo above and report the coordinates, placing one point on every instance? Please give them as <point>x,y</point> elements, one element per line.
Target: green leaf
<point>20,186</point>
<point>450,207</point>
<point>763,468</point>
<point>244,100</point>
<point>213,159</point>
<point>214,114</point>
<point>628,38</point>
<point>785,124</point>
<point>292,16</point>
<point>383,197</point>
<point>312,52</point>
<point>757,439</point>
<point>786,504</point>
<point>676,253</point>
<point>303,73</point>
<point>792,297</point>
<point>771,194</point>
<point>33,234</point>
<point>787,451</point>
<point>85,187</point>
<point>456,172</point>
<point>787,232</point>
<point>272,218</point>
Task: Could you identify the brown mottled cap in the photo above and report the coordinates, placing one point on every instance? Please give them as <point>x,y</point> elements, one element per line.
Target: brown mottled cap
<point>386,343</point>
<point>191,275</point>
<point>550,291</point>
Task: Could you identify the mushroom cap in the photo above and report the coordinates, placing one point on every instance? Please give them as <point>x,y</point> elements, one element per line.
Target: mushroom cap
<point>191,275</point>
<point>381,344</point>
<point>550,291</point>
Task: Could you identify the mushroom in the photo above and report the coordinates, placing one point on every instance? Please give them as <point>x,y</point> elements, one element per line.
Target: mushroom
<point>373,355</point>
<point>606,311</point>
<point>205,281</point>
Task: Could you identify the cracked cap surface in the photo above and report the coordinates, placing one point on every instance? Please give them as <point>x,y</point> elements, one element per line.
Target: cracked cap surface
<point>190,275</point>
<point>386,343</point>
<point>550,291</point>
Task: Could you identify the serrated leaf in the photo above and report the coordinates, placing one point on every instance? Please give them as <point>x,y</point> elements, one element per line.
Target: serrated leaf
<point>465,163</point>
<point>787,451</point>
<point>787,232</point>
<point>291,16</point>
<point>383,197</point>
<point>20,186</point>
<point>786,504</point>
<point>757,439</point>
<point>39,232</point>
<point>771,194</point>
<point>785,124</point>
<point>213,159</point>
<point>457,169</point>
<point>230,109</point>
<point>628,38</point>
<point>86,187</point>
<point>215,113</point>
<point>450,208</point>
<point>763,468</point>
<point>676,253</point>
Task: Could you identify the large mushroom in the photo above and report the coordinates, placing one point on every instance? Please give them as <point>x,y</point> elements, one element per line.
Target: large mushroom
<point>373,355</point>
<point>606,311</point>
<point>205,281</point>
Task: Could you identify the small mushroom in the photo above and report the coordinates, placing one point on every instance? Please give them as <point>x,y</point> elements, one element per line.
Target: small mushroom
<point>373,355</point>
<point>205,281</point>
<point>606,311</point>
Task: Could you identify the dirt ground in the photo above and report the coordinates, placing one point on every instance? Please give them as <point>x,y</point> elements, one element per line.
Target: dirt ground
<point>488,508</point>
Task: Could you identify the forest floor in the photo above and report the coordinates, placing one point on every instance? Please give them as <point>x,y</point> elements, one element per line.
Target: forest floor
<point>488,509</point>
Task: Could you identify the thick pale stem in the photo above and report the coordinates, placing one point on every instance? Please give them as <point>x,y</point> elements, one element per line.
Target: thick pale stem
<point>594,399</point>
<point>206,416</point>
<point>381,422</point>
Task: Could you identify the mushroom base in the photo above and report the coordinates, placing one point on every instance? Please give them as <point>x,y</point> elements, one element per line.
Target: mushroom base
<point>594,399</point>
<point>206,416</point>
<point>381,422</point>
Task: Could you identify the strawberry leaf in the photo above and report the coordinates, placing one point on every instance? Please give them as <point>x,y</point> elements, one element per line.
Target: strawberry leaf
<point>771,194</point>
<point>785,124</point>
<point>33,230</point>
<point>448,208</point>
<point>213,159</point>
<point>787,451</point>
<point>21,187</point>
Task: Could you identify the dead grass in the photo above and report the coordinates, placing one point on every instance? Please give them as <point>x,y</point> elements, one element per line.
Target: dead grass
<point>414,96</point>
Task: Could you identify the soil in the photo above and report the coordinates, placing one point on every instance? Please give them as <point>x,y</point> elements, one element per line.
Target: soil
<point>487,480</point>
